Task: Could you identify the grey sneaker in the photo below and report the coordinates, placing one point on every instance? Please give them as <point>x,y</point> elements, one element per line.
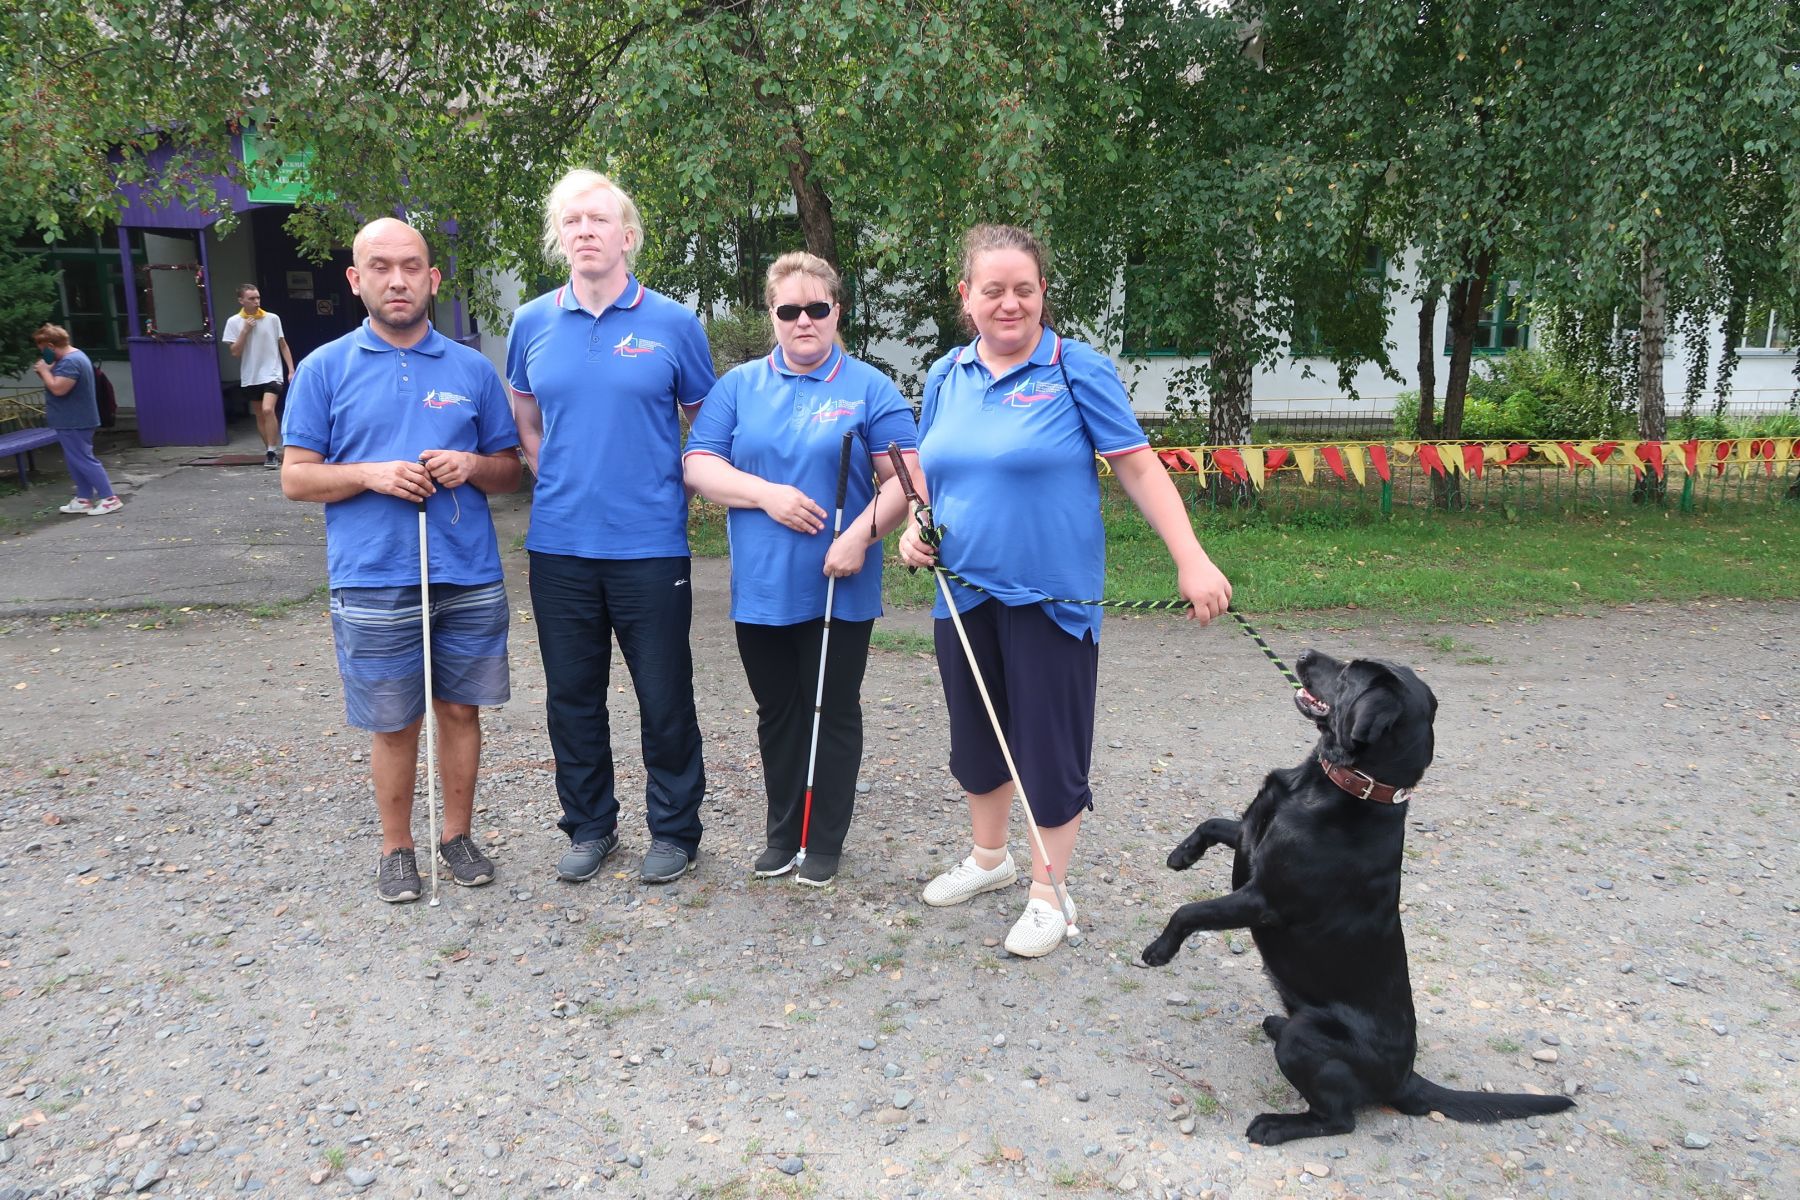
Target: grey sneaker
<point>818,869</point>
<point>774,862</point>
<point>469,867</point>
<point>582,860</point>
<point>665,862</point>
<point>397,877</point>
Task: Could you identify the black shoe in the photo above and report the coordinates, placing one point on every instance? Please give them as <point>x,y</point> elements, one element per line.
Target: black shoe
<point>582,860</point>
<point>397,877</point>
<point>818,869</point>
<point>272,460</point>
<point>774,862</point>
<point>665,863</point>
<point>469,867</point>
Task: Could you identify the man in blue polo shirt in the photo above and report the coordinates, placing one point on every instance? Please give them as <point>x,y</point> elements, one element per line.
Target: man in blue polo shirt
<point>381,420</point>
<point>600,370</point>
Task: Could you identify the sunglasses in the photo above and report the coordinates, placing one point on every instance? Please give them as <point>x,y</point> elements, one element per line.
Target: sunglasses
<point>818,310</point>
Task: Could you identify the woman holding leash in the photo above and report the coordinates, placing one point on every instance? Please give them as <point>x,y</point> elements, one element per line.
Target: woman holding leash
<point>775,442</point>
<point>1008,434</point>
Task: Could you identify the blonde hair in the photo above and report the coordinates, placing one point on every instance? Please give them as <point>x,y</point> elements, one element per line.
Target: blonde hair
<point>50,335</point>
<point>983,238</point>
<point>579,182</point>
<point>799,262</point>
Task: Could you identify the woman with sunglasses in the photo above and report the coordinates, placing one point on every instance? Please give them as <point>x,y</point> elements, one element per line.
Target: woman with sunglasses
<point>767,444</point>
<point>1009,430</point>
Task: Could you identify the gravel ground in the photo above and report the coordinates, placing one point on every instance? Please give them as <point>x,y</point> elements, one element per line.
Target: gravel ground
<point>200,994</point>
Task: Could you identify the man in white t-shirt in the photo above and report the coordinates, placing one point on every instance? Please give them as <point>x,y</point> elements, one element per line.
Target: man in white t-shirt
<point>257,342</point>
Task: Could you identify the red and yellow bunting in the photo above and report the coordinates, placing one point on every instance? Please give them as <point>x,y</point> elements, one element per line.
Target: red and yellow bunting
<point>1255,465</point>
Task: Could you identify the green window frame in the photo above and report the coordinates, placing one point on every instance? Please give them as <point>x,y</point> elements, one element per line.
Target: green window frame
<point>1764,329</point>
<point>90,289</point>
<point>1505,322</point>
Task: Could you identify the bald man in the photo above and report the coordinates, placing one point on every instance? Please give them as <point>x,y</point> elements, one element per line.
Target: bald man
<point>388,417</point>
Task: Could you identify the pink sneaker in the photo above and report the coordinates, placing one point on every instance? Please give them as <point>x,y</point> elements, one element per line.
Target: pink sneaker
<point>111,504</point>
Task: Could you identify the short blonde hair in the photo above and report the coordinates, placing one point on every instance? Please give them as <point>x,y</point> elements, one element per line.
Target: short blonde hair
<point>799,262</point>
<point>579,182</point>
<point>50,335</point>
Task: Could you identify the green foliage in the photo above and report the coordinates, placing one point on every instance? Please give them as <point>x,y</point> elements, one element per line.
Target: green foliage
<point>737,335</point>
<point>1528,396</point>
<point>27,292</point>
<point>1711,426</point>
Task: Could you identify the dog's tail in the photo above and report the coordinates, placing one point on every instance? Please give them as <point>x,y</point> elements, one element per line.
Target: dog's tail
<point>1418,1096</point>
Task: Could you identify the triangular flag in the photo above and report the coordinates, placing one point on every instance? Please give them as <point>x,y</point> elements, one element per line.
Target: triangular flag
<point>1604,451</point>
<point>1690,455</point>
<point>1378,455</point>
<point>1334,458</point>
<point>1355,455</point>
<point>1303,459</point>
<point>1253,462</point>
<point>1428,458</point>
<point>1276,457</point>
<point>1474,457</point>
<point>1517,453</point>
<point>1652,454</point>
<point>1229,463</point>
<point>1554,453</point>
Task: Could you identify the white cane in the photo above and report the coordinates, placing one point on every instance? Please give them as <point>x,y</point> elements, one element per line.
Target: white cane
<point>1037,838</point>
<point>430,715</point>
<point>812,750</point>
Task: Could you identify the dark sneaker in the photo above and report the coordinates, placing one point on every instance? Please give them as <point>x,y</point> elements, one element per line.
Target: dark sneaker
<point>397,878</point>
<point>469,867</point>
<point>774,862</point>
<point>582,860</point>
<point>665,862</point>
<point>271,460</point>
<point>818,869</point>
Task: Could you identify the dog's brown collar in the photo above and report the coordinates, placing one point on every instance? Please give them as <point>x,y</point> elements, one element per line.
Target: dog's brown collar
<point>1362,786</point>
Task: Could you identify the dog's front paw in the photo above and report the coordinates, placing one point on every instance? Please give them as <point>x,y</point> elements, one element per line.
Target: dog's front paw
<point>1160,952</point>
<point>1272,1129</point>
<point>1188,853</point>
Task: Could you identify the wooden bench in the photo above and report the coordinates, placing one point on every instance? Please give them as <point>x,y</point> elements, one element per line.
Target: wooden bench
<point>20,443</point>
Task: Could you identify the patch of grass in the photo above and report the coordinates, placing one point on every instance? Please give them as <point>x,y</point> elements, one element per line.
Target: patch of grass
<point>611,1014</point>
<point>697,995</point>
<point>900,641</point>
<point>1470,566</point>
<point>336,1156</point>
<point>1504,1045</point>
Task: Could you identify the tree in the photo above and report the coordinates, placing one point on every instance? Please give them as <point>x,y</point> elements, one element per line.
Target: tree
<point>1689,200</point>
<point>27,292</point>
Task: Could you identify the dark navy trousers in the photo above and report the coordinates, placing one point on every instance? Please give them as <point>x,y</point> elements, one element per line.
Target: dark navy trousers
<point>579,605</point>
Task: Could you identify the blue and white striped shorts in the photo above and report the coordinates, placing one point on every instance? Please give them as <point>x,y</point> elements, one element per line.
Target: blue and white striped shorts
<point>381,657</point>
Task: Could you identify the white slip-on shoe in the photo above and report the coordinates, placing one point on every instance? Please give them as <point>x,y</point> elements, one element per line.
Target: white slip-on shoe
<point>1039,929</point>
<point>965,881</point>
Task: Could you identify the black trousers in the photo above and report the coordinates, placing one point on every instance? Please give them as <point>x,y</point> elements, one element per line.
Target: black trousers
<point>579,605</point>
<point>782,664</point>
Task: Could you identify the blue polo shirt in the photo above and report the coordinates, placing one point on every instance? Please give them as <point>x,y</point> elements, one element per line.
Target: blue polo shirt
<point>79,407</point>
<point>1010,463</point>
<point>788,426</point>
<point>359,399</point>
<point>608,383</point>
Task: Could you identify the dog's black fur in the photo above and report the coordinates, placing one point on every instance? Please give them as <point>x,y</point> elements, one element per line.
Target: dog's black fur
<point>1316,880</point>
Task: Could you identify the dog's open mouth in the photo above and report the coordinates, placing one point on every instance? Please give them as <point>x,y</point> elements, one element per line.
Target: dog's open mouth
<point>1310,706</point>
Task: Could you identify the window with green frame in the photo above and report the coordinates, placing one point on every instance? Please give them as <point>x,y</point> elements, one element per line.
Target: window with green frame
<point>90,290</point>
<point>1505,322</point>
<point>1363,301</point>
<point>1764,329</point>
<point>1151,330</point>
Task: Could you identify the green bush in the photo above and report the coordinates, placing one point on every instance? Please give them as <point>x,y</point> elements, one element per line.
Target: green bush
<point>1525,396</point>
<point>1708,427</point>
<point>738,335</point>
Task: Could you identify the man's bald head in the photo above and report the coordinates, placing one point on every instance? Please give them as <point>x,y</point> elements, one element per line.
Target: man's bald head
<point>391,270</point>
<point>391,238</point>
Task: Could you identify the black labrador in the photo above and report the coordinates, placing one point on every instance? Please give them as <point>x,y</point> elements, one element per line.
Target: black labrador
<point>1316,880</point>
